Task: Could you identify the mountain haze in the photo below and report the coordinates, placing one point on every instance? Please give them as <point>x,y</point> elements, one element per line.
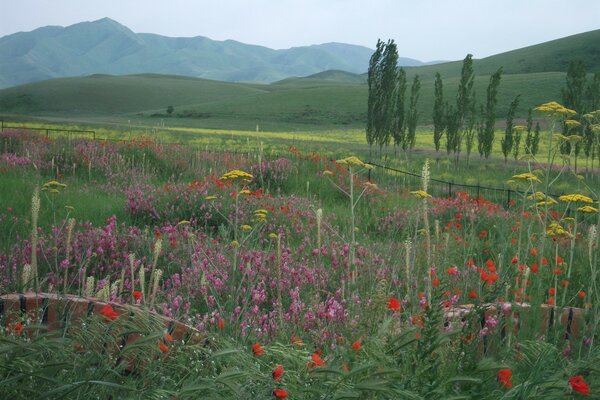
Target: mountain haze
<point>107,47</point>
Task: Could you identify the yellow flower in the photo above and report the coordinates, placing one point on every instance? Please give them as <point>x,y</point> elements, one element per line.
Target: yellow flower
<point>555,110</point>
<point>352,161</point>
<point>574,198</point>
<point>327,172</point>
<point>371,186</point>
<point>235,243</point>
<point>549,202</point>
<point>519,128</point>
<point>261,211</point>
<point>210,198</point>
<point>246,228</point>
<point>421,193</point>
<point>571,123</point>
<point>527,176</point>
<point>587,209</point>
<point>54,184</point>
<point>273,235</point>
<point>245,191</point>
<point>237,174</point>
<point>184,222</point>
<point>555,229</point>
<point>568,219</point>
<point>574,138</point>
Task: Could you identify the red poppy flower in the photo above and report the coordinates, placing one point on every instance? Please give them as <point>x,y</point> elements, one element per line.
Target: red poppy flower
<point>297,341</point>
<point>257,349</point>
<point>221,324</point>
<point>317,361</point>
<point>505,378</point>
<point>277,372</point>
<point>168,338</point>
<point>515,260</point>
<point>17,328</point>
<point>559,260</point>
<point>162,347</point>
<point>280,393</point>
<point>393,304</point>
<point>552,291</point>
<point>578,385</point>
<point>473,294</point>
<point>581,294</point>
<point>109,312</point>
<point>356,345</point>
<point>435,282</point>
<point>137,295</point>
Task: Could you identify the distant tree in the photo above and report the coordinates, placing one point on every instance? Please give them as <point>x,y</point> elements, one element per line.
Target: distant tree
<point>388,76</point>
<point>592,93</point>
<point>399,130</point>
<point>170,110</point>
<point>517,135</point>
<point>470,128</point>
<point>573,97</point>
<point>508,139</point>
<point>452,130</point>
<point>464,100</point>
<point>486,139</point>
<point>374,96</point>
<point>529,130</point>
<point>439,117</point>
<point>413,115</point>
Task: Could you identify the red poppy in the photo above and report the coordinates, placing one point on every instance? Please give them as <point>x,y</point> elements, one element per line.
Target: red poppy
<point>317,361</point>
<point>581,294</point>
<point>559,260</point>
<point>505,378</point>
<point>109,312</point>
<point>17,328</point>
<point>162,347</point>
<point>515,260</point>
<point>221,324</point>
<point>393,304</point>
<point>297,341</point>
<point>473,294</point>
<point>257,349</point>
<point>356,345</point>
<point>277,372</point>
<point>435,282</point>
<point>280,393</point>
<point>578,385</point>
<point>552,291</point>
<point>137,295</point>
<point>168,338</point>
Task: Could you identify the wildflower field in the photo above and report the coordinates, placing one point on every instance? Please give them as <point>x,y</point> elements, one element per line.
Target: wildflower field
<point>303,276</point>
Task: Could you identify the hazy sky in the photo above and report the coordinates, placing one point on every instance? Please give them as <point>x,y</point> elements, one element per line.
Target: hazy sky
<point>424,29</point>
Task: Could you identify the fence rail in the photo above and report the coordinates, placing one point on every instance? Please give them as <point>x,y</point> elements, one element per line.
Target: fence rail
<point>3,126</point>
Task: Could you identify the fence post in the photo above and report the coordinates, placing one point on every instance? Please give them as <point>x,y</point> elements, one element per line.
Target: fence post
<point>508,200</point>
<point>449,189</point>
<point>46,133</point>
<point>478,187</point>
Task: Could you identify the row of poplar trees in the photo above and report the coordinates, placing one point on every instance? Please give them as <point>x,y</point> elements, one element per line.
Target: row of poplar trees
<point>388,115</point>
<point>463,122</point>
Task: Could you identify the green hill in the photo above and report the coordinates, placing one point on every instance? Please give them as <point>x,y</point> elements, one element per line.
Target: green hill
<point>324,100</point>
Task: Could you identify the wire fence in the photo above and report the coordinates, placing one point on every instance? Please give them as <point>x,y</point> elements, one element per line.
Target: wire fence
<point>442,188</point>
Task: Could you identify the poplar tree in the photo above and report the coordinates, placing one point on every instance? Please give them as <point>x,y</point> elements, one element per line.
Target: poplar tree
<point>413,115</point>
<point>508,140</point>
<point>439,117</point>
<point>486,139</point>
<point>373,100</point>
<point>399,114</point>
<point>529,130</point>
<point>388,77</point>
<point>464,99</point>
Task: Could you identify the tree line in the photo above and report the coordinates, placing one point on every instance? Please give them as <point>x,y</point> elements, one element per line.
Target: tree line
<point>464,125</point>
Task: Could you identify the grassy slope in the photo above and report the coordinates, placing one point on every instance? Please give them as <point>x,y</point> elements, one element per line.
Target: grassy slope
<point>321,101</point>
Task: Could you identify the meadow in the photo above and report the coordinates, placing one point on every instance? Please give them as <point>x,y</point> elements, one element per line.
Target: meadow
<point>307,275</point>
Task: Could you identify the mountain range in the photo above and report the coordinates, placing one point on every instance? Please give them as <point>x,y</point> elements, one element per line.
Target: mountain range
<point>107,47</point>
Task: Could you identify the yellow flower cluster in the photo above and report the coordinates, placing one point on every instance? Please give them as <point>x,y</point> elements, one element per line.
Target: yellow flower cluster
<point>554,229</point>
<point>542,197</point>
<point>53,186</point>
<point>371,186</point>
<point>246,228</point>
<point>210,198</point>
<point>555,110</point>
<point>587,209</point>
<point>575,198</point>
<point>421,193</point>
<point>237,174</point>
<point>571,123</point>
<point>354,161</point>
<point>261,215</point>
<point>527,176</point>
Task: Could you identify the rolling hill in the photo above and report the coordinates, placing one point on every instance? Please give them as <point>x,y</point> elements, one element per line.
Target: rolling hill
<point>326,99</point>
<point>107,47</point>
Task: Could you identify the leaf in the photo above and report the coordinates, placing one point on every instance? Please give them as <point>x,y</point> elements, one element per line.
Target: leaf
<point>226,352</point>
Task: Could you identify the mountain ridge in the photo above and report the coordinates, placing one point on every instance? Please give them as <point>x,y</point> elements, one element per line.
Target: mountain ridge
<point>105,46</point>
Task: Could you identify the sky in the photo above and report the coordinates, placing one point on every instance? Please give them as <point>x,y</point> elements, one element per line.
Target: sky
<point>426,30</point>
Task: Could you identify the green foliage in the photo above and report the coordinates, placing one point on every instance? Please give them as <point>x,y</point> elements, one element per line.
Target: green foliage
<point>508,140</point>
<point>399,114</point>
<point>486,137</point>
<point>413,115</point>
<point>439,111</point>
